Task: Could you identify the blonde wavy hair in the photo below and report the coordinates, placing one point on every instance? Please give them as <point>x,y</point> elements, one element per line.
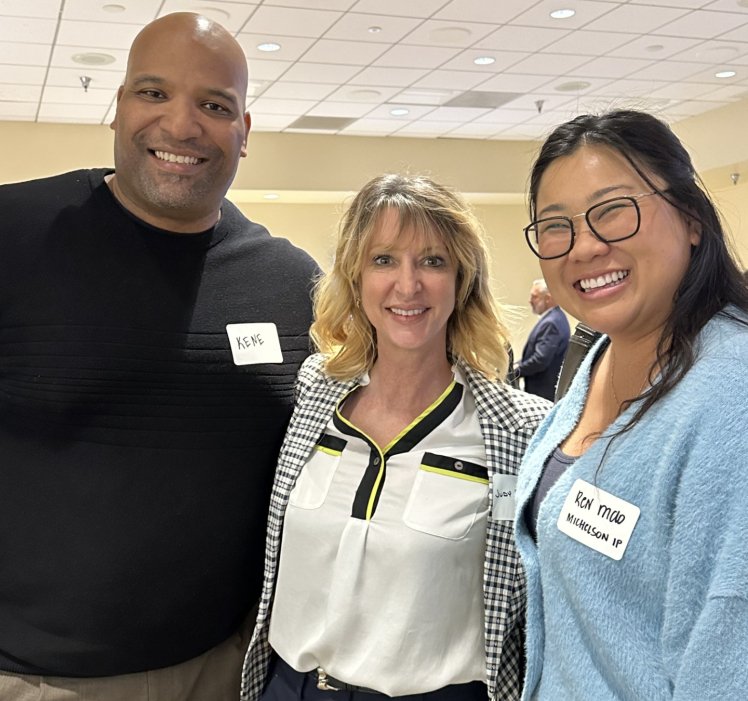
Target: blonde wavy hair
<point>475,331</point>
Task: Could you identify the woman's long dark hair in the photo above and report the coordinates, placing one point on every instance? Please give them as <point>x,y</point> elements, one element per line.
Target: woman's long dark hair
<point>712,280</point>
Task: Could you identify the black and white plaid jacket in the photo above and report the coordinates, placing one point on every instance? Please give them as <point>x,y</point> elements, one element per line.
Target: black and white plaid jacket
<point>508,418</point>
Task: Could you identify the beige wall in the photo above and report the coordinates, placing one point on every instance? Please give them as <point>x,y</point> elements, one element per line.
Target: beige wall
<point>315,174</point>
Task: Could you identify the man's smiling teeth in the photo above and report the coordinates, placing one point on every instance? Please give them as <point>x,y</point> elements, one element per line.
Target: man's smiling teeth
<point>174,158</point>
<point>407,312</point>
<point>594,282</point>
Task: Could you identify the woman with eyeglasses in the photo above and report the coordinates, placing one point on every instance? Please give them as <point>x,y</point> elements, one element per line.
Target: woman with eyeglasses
<point>632,517</point>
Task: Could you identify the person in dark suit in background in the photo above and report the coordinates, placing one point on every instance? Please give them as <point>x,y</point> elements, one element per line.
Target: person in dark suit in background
<point>546,345</point>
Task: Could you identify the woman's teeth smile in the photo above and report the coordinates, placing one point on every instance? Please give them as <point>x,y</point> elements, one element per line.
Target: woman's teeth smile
<point>593,283</point>
<point>407,312</point>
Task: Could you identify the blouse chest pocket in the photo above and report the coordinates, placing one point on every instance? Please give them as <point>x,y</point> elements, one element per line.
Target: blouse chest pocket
<point>447,496</point>
<point>315,477</point>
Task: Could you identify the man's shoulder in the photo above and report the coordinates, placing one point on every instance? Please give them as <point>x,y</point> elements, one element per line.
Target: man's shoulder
<point>62,185</point>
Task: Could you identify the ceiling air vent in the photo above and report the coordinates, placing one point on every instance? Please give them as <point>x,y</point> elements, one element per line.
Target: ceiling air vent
<point>482,98</point>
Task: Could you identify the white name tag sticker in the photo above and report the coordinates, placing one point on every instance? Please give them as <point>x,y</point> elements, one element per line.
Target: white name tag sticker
<point>254,343</point>
<point>504,488</point>
<point>598,519</point>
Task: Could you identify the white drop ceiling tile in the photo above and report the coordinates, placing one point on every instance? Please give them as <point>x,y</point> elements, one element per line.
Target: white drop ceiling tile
<point>637,18</point>
<point>22,75</point>
<point>586,11</point>
<point>427,129</point>
<point>670,91</point>
<point>414,111</point>
<point>232,15</point>
<point>738,34</point>
<point>411,8</point>
<point>725,6</point>
<point>508,82</point>
<point>320,73</point>
<point>355,27</point>
<point>291,48</point>
<point>22,111</point>
<point>445,79</point>
<point>690,4</point>
<point>362,93</point>
<point>486,11</point>
<point>515,38</point>
<point>693,107</point>
<point>351,53</point>
<point>34,30</point>
<point>260,70</point>
<point>713,52</point>
<point>25,8</point>
<point>99,35</point>
<point>454,114</point>
<point>139,12</point>
<point>374,127</point>
<point>727,92</point>
<point>707,76</point>
<point>302,91</point>
<point>51,111</point>
<point>741,61</point>
<point>522,133</point>
<point>62,57</point>
<point>505,115</point>
<point>606,67</point>
<point>76,95</point>
<point>70,77</point>
<point>589,43</point>
<point>341,109</point>
<point>269,122</point>
<point>290,20</point>
<point>654,46</point>
<point>314,4</point>
<point>111,112</point>
<point>544,64</point>
<point>550,102</point>
<point>672,70</point>
<point>266,105</point>
<point>21,54</point>
<point>20,93</point>
<point>465,61</point>
<point>438,33</point>
<point>409,56</point>
<point>425,96</point>
<point>389,76</point>
<point>705,25</point>
<point>473,130</point>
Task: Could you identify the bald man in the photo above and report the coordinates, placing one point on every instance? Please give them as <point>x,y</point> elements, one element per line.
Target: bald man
<point>149,339</point>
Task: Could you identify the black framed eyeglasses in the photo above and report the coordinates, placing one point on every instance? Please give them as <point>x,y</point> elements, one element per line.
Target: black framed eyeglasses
<point>609,221</point>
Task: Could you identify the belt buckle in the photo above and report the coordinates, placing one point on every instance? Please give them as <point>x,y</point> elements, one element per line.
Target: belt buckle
<point>322,683</point>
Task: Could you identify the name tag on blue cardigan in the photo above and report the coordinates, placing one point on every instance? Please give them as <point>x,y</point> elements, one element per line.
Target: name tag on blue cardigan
<point>598,519</point>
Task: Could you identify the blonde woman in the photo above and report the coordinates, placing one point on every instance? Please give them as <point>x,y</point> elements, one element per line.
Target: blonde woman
<point>393,501</point>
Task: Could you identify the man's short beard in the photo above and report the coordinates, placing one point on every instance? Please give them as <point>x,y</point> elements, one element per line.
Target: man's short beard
<point>179,194</point>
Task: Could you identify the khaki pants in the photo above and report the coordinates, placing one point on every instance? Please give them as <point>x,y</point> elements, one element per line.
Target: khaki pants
<point>214,676</point>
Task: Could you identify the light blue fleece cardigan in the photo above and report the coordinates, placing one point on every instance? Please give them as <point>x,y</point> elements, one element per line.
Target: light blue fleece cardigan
<point>670,619</point>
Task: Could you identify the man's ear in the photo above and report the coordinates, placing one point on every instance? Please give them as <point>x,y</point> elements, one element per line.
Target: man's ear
<point>247,127</point>
<point>113,123</point>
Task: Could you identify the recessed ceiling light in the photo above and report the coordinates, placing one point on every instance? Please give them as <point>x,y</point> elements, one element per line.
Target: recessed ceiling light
<point>374,30</point>
<point>268,46</point>
<point>113,8</point>
<point>92,58</point>
<point>453,36</point>
<point>563,13</point>
<point>725,74</point>
<point>271,196</point>
<point>399,111</point>
<point>573,86</point>
<point>654,48</point>
<point>484,60</point>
